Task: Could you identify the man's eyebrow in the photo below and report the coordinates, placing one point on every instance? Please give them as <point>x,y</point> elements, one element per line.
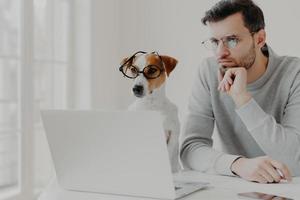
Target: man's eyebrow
<point>232,35</point>
<point>213,38</point>
<point>226,36</point>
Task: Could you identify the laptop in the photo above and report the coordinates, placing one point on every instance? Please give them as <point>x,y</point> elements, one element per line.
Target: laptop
<point>112,152</point>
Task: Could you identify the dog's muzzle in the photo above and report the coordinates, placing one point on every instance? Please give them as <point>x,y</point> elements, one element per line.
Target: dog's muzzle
<point>138,90</point>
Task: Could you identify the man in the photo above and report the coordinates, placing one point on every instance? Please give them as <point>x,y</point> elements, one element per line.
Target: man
<point>250,94</point>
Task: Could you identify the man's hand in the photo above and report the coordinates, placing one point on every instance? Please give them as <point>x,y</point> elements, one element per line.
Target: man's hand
<point>261,169</point>
<point>234,83</point>
<point>168,135</point>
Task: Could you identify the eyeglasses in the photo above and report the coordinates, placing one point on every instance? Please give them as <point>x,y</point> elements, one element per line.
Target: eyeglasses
<point>229,42</point>
<point>150,71</point>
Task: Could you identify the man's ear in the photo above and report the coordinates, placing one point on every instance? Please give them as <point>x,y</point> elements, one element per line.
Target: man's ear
<point>169,63</point>
<point>261,38</point>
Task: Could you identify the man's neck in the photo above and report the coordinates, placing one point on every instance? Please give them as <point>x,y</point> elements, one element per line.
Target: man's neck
<point>258,68</point>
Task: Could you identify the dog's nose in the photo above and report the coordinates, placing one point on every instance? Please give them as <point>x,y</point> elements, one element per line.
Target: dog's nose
<point>138,90</point>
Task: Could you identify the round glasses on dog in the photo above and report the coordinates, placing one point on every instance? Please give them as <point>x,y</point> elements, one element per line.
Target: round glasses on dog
<point>150,71</point>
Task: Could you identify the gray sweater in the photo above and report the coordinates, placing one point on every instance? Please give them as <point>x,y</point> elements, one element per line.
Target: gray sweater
<point>269,124</point>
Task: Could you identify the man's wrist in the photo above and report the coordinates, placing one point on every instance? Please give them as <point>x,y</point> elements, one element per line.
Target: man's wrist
<point>233,165</point>
<point>241,99</point>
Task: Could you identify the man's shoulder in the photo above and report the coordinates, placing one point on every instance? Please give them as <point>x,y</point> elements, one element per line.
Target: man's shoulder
<point>287,71</point>
<point>284,64</point>
<point>210,61</point>
<point>293,60</point>
<point>207,72</point>
<point>290,64</point>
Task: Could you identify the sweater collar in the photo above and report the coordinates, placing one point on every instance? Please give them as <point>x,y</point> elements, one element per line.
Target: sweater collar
<point>265,77</point>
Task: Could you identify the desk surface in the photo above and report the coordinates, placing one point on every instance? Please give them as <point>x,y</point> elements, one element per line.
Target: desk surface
<point>221,187</point>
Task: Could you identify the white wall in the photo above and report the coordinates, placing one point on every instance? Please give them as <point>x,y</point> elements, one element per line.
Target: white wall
<point>104,54</point>
<point>79,73</point>
<point>170,27</point>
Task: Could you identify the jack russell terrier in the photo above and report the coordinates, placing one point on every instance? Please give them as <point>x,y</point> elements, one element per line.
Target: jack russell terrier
<point>150,72</point>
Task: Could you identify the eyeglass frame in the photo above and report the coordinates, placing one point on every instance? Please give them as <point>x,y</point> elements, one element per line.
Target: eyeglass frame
<point>225,43</point>
<point>142,71</point>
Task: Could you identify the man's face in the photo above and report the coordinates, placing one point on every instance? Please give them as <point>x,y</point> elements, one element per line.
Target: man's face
<point>244,53</point>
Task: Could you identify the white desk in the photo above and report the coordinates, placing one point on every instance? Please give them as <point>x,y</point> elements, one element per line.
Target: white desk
<point>221,187</point>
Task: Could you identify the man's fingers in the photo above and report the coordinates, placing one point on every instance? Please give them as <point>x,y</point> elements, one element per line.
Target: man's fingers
<point>273,172</point>
<point>229,80</point>
<point>260,179</point>
<point>227,87</point>
<point>264,173</point>
<point>219,87</point>
<point>225,79</point>
<point>283,169</point>
<point>222,87</point>
<point>220,75</point>
<point>168,135</point>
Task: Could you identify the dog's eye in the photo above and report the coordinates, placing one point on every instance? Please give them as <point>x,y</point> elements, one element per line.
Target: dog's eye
<point>152,70</point>
<point>133,69</point>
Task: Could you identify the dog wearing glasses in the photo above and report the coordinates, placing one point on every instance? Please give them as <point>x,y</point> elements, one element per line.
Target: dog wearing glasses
<point>150,72</point>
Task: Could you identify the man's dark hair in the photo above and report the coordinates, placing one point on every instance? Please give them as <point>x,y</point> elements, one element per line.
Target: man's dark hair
<point>252,14</point>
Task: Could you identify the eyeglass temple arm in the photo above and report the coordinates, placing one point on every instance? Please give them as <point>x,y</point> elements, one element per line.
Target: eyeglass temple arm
<point>131,57</point>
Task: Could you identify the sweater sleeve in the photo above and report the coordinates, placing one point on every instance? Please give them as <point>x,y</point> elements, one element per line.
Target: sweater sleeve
<point>196,141</point>
<point>280,141</point>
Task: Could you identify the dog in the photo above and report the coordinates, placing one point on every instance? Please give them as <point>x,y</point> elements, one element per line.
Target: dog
<point>150,72</point>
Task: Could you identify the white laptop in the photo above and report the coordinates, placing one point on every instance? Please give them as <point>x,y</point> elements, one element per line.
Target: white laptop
<point>112,152</point>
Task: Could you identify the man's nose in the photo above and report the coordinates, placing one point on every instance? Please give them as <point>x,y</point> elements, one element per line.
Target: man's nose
<point>222,51</point>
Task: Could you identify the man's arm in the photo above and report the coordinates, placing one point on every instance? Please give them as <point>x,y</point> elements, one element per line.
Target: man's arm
<point>279,141</point>
<point>196,149</point>
<point>196,143</point>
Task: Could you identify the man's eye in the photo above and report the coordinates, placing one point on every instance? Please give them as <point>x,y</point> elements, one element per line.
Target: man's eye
<point>232,42</point>
<point>214,42</point>
<point>232,39</point>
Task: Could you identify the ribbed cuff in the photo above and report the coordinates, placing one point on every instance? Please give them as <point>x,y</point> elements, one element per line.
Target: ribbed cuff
<point>232,163</point>
<point>223,164</point>
<point>251,114</point>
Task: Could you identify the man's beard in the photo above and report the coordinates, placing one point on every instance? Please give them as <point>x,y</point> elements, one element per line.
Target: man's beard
<point>248,60</point>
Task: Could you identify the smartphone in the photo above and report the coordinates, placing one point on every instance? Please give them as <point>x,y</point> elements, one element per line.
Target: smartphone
<point>260,195</point>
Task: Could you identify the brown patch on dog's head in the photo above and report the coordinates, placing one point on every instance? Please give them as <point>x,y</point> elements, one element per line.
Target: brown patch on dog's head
<point>153,59</point>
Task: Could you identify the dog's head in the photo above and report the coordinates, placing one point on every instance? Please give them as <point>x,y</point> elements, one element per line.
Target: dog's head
<point>149,71</point>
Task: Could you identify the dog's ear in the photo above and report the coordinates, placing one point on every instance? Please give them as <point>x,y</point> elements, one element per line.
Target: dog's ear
<point>128,62</point>
<point>170,63</point>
